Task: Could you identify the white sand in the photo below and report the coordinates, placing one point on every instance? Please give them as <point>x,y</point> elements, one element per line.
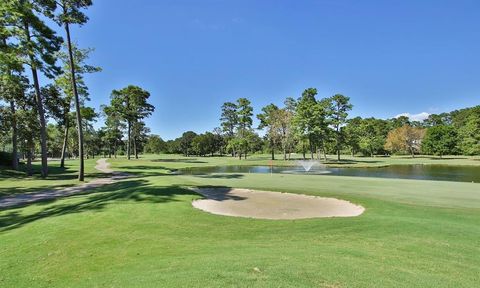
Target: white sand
<point>272,205</point>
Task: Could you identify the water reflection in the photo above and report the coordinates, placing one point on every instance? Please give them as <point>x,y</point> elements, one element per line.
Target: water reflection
<point>424,172</point>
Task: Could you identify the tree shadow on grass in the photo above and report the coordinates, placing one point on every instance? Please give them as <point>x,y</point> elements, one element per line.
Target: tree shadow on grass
<point>55,173</point>
<point>180,160</point>
<point>147,171</point>
<point>218,193</point>
<point>350,161</point>
<point>220,176</point>
<point>38,187</point>
<point>137,190</point>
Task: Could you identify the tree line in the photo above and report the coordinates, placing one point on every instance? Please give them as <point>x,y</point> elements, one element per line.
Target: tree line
<point>52,118</point>
<point>315,127</point>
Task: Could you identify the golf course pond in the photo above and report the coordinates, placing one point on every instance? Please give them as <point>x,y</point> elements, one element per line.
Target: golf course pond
<point>418,172</point>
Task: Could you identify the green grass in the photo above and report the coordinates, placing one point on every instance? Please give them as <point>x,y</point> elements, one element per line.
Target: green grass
<point>143,232</point>
<point>16,182</point>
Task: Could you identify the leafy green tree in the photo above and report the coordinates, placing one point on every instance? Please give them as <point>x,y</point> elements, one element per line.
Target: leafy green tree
<point>229,121</point>
<point>38,44</point>
<point>469,135</point>
<point>268,120</point>
<point>139,136</point>
<point>64,83</point>
<point>154,144</point>
<point>58,108</point>
<point>173,146</point>
<point>440,140</point>
<point>352,134</point>
<point>460,117</point>
<point>398,122</point>
<point>113,129</point>
<point>88,116</point>
<point>71,13</point>
<point>245,113</point>
<point>337,113</point>
<point>277,121</point>
<point>202,144</point>
<point>283,126</point>
<point>209,142</point>
<point>186,142</point>
<point>54,140</point>
<point>219,140</point>
<point>229,118</point>
<point>373,134</point>
<point>131,104</point>
<point>12,82</point>
<point>28,124</point>
<point>12,90</point>
<point>309,119</point>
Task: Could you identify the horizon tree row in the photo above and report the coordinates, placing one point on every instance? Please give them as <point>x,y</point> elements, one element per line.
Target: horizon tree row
<point>321,126</point>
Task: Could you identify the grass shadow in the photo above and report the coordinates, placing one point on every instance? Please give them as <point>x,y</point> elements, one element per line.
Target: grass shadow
<point>220,176</point>
<point>138,190</point>
<point>219,193</point>
<point>181,160</point>
<point>147,171</point>
<point>350,161</point>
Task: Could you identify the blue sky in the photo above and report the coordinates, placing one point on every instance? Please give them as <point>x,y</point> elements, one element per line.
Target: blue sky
<point>390,57</point>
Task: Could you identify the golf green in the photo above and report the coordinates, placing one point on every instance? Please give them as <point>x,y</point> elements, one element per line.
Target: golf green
<point>144,232</point>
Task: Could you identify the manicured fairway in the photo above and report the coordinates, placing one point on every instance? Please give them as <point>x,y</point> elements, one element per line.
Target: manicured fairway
<point>14,182</point>
<point>143,232</point>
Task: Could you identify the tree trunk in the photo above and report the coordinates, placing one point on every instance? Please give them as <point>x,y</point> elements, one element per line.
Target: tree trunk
<point>272,145</point>
<point>29,158</point>
<point>64,146</point>
<point>135,147</point>
<point>311,148</point>
<point>14,137</point>
<point>284,154</point>
<point>81,169</point>
<point>338,143</point>
<point>43,127</point>
<point>41,112</point>
<point>128,141</point>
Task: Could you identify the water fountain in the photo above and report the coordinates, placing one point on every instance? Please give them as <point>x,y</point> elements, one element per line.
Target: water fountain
<point>312,166</point>
<point>307,164</point>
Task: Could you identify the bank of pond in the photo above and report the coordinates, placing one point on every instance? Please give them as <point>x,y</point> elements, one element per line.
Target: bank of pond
<point>417,171</point>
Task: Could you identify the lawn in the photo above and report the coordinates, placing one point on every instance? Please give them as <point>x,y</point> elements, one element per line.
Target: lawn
<point>143,232</point>
<point>16,182</point>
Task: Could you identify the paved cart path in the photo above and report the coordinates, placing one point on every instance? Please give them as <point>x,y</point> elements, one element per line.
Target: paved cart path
<point>102,165</point>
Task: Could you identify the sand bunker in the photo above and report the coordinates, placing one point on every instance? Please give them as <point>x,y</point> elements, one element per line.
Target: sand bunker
<point>272,205</point>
